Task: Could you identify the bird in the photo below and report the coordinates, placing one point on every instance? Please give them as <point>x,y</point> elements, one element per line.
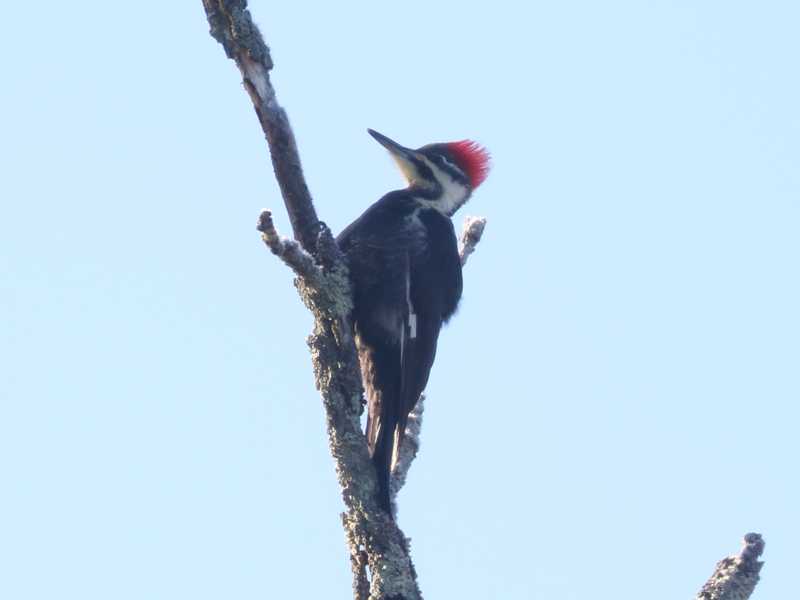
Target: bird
<point>405,270</point>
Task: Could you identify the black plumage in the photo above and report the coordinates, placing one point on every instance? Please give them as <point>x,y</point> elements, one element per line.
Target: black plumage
<point>406,274</point>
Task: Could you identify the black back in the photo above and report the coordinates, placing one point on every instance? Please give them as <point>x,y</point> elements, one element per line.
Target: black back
<point>403,260</point>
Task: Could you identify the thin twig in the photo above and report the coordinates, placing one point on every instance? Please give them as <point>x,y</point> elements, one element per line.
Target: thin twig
<point>470,236</point>
<point>289,251</point>
<point>408,450</point>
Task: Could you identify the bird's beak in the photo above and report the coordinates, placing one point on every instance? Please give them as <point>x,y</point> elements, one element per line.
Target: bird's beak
<point>403,156</point>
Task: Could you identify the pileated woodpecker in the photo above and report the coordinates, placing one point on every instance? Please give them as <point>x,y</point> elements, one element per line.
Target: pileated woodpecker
<point>406,274</point>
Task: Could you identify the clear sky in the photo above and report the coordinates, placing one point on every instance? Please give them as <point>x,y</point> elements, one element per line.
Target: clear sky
<point>615,404</point>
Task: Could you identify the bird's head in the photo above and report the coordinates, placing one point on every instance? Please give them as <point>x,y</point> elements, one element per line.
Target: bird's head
<point>442,175</point>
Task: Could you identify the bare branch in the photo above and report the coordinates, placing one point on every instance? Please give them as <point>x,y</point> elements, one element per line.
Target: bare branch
<point>408,450</point>
<point>736,577</point>
<point>470,236</point>
<point>289,251</point>
<point>233,27</point>
<point>373,537</point>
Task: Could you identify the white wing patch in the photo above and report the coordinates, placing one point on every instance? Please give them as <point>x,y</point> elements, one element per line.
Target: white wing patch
<point>402,342</point>
<point>412,316</point>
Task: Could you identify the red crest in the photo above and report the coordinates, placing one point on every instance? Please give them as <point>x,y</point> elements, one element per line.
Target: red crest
<point>472,158</point>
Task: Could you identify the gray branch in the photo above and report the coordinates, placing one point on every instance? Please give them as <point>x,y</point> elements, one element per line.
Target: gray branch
<point>232,26</point>
<point>470,236</point>
<point>376,543</point>
<point>289,251</point>
<point>736,577</point>
<point>408,451</point>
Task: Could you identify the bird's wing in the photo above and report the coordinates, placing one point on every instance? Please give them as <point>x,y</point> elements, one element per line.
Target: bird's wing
<point>418,350</point>
<point>432,289</point>
<point>396,373</point>
<point>380,246</point>
<point>418,287</point>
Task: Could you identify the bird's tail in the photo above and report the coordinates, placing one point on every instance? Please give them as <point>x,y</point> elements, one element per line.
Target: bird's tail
<point>382,459</point>
<point>386,418</point>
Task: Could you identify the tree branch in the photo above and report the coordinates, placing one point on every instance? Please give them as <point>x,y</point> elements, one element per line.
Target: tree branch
<point>375,541</point>
<point>233,27</point>
<point>470,236</point>
<point>289,251</point>
<point>408,451</point>
<point>735,577</point>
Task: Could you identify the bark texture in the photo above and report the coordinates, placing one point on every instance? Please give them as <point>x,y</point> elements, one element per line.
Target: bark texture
<point>736,577</point>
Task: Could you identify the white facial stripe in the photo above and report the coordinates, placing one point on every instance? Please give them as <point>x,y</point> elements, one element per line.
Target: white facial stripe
<point>412,317</point>
<point>453,192</point>
<point>451,164</point>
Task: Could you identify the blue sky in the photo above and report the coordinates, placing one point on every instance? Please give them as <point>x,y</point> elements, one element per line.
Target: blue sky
<point>615,404</point>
